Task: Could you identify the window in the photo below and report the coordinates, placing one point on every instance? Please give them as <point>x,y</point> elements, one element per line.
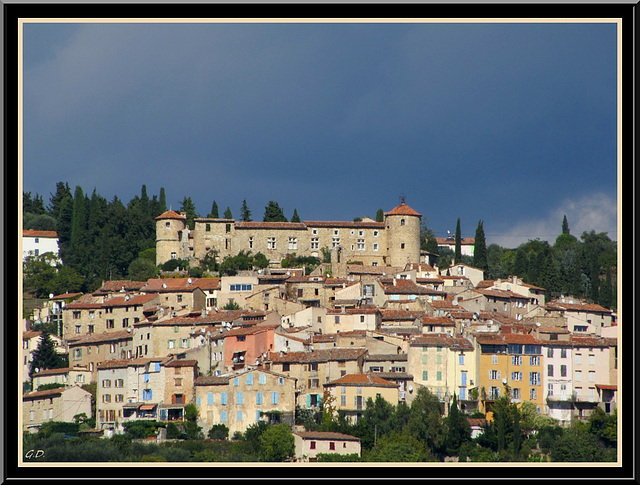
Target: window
<point>402,222</point>
<point>550,352</point>
<point>563,371</point>
<point>312,445</point>
<point>332,445</point>
<point>223,398</point>
<point>578,376</point>
<point>592,376</point>
<point>239,397</point>
<point>177,382</point>
<point>274,397</point>
<point>494,359</point>
<point>375,246</point>
<point>106,398</point>
<point>516,376</point>
<point>171,344</point>
<point>439,375</point>
<point>236,382</point>
<point>223,416</point>
<point>516,360</point>
<point>534,361</point>
<point>461,359</point>
<point>425,375</point>
<point>361,246</point>
<point>494,375</point>
<point>262,379</point>
<point>563,353</point>
<point>550,370</point>
<point>315,243</point>
<point>515,394</point>
<point>147,394</point>
<point>592,359</point>
<point>210,398</point>
<point>250,242</point>
<point>578,358</point>
<point>335,242</point>
<point>271,243</point>
<point>249,380</point>
<point>550,389</point>
<point>534,378</point>
<point>106,383</point>
<point>258,398</point>
<point>293,243</point>
<point>533,394</point>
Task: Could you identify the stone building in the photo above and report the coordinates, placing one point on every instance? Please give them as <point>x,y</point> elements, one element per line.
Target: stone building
<point>394,242</point>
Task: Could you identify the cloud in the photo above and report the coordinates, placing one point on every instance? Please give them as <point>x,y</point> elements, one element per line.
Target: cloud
<point>597,212</point>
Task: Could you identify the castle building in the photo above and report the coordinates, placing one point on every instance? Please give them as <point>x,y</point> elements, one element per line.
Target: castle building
<point>394,242</point>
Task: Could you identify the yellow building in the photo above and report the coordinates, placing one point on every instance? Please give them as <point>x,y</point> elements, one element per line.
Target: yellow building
<point>446,366</point>
<point>511,361</point>
<point>351,392</point>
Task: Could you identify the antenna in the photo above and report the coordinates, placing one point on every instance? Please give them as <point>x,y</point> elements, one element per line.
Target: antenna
<point>403,199</point>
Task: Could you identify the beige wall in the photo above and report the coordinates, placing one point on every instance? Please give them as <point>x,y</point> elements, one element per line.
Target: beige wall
<point>245,397</point>
<point>73,400</point>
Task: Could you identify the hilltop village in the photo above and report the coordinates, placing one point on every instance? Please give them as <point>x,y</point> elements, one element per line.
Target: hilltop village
<point>379,320</point>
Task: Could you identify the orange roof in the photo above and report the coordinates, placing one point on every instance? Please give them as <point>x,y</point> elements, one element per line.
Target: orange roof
<point>403,210</point>
<point>269,225</point>
<point>36,233</point>
<point>347,224</point>
<point>170,215</point>
<point>361,380</point>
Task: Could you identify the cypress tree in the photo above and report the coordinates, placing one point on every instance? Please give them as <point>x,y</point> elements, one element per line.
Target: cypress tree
<point>565,225</point>
<point>227,214</point>
<point>295,217</point>
<point>162,202</point>
<point>189,207</point>
<point>245,213</point>
<point>480,249</point>
<point>214,211</point>
<point>78,238</point>
<point>458,248</point>
<point>380,215</point>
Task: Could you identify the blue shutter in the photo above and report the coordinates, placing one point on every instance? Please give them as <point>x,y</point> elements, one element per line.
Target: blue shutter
<point>274,397</point>
<point>259,398</point>
<point>210,398</point>
<point>223,416</point>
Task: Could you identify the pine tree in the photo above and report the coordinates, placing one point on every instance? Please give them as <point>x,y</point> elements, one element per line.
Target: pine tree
<point>214,211</point>
<point>227,214</point>
<point>273,213</point>
<point>480,249</point>
<point>45,356</point>
<point>458,247</point>
<point>189,208</point>
<point>55,202</point>
<point>245,213</point>
<point>295,217</point>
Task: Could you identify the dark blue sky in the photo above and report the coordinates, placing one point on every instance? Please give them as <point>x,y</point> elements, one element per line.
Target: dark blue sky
<point>510,123</point>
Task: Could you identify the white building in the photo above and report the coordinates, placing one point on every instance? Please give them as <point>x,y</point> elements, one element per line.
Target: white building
<point>36,243</point>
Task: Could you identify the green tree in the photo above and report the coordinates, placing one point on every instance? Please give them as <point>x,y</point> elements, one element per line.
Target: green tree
<point>295,217</point>
<point>458,430</point>
<point>187,206</point>
<point>425,422</point>
<point>245,213</point>
<point>227,214</point>
<point>260,261</point>
<point>273,213</point>
<point>480,249</point>
<point>218,432</point>
<point>457,255</point>
<point>214,214</point>
<point>45,356</point>
<point>276,443</point>
<point>577,444</point>
<point>399,447</point>
<point>565,225</point>
<point>380,215</point>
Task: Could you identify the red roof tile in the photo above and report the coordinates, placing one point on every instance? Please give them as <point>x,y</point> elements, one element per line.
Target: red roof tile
<point>403,210</point>
<point>37,233</point>
<point>365,380</point>
<point>170,215</point>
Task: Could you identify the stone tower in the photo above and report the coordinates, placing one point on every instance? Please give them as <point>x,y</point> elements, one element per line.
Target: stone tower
<point>171,229</point>
<point>403,235</point>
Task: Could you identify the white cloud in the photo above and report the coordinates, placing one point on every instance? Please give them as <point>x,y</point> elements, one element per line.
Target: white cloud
<point>597,212</point>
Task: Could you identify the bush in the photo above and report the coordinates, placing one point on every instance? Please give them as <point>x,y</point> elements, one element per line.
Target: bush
<point>218,432</point>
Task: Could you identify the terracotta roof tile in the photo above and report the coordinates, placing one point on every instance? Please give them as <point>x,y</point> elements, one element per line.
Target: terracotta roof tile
<point>366,380</point>
<point>321,355</point>
<point>170,215</point>
<point>402,210</point>
<point>38,233</point>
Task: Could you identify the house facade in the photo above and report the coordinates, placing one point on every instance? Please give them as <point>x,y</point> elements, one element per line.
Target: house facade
<point>394,242</point>
<point>60,404</point>
<point>243,398</point>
